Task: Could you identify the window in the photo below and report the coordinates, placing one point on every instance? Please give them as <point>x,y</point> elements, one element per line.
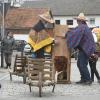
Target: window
<point>69,22</point>
<point>92,21</point>
<point>57,21</point>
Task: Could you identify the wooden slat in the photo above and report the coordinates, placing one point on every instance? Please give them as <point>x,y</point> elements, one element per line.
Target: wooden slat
<point>34,77</point>
<point>47,72</point>
<point>20,63</point>
<point>34,72</point>
<point>35,67</point>
<point>47,78</point>
<point>44,66</point>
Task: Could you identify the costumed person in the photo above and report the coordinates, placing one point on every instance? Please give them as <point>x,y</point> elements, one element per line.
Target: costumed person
<point>81,38</point>
<point>41,35</point>
<point>93,61</point>
<point>8,46</point>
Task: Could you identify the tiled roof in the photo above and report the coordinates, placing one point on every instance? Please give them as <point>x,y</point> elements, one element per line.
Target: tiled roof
<point>67,7</point>
<point>22,17</point>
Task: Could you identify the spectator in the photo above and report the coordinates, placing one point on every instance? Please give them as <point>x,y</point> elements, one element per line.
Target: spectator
<point>8,45</point>
<point>92,62</point>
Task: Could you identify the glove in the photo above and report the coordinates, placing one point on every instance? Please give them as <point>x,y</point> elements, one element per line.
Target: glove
<point>93,57</point>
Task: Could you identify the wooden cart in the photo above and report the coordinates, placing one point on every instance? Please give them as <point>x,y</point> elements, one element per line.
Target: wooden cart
<point>40,73</point>
<point>19,67</point>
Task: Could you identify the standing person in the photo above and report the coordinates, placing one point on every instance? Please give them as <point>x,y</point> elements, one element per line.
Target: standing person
<point>8,45</point>
<point>81,38</point>
<point>92,62</point>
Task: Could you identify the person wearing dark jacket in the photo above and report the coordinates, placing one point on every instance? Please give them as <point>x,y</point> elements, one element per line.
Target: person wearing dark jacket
<point>8,45</point>
<point>81,38</point>
<point>92,62</point>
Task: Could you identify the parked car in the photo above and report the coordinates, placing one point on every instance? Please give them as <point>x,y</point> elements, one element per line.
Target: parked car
<point>19,45</point>
<point>27,49</point>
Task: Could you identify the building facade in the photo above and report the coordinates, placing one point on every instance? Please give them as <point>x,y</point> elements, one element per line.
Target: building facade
<point>21,20</point>
<point>93,21</point>
<point>65,10</point>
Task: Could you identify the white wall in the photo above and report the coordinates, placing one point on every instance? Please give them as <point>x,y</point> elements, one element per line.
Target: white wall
<point>21,37</point>
<point>64,18</point>
<point>63,22</point>
<point>97,21</point>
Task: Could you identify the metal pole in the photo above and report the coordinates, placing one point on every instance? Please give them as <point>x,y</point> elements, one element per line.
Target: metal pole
<point>3,30</point>
<point>3,23</point>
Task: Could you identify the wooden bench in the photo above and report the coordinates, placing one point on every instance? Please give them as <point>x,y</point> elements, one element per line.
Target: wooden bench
<point>19,67</point>
<point>41,73</point>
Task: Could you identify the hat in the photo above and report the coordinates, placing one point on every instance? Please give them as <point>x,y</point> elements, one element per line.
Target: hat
<point>47,17</point>
<point>81,17</point>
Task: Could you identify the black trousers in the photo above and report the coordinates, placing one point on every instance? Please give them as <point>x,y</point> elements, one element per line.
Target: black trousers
<point>93,70</point>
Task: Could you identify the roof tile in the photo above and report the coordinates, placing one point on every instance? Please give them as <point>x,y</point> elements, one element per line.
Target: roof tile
<point>22,17</point>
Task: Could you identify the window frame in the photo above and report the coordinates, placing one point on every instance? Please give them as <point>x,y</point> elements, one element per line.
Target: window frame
<point>92,21</point>
<point>70,22</point>
<point>57,22</point>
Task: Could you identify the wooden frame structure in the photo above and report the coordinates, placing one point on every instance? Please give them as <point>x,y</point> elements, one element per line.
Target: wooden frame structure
<point>61,54</point>
<point>41,73</point>
<point>19,67</point>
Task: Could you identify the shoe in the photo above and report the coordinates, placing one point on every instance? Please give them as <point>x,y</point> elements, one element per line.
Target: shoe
<point>92,80</point>
<point>87,82</point>
<point>80,82</point>
<point>6,67</point>
<point>99,81</point>
<point>9,67</point>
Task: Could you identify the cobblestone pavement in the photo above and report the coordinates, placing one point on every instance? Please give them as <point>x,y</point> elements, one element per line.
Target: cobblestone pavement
<point>16,89</point>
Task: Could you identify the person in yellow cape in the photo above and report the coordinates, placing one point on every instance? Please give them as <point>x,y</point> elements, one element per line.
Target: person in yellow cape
<point>41,35</point>
<point>96,30</point>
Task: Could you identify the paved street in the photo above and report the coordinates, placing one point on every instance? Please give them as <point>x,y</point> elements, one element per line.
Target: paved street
<point>48,26</point>
<point>16,90</point>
